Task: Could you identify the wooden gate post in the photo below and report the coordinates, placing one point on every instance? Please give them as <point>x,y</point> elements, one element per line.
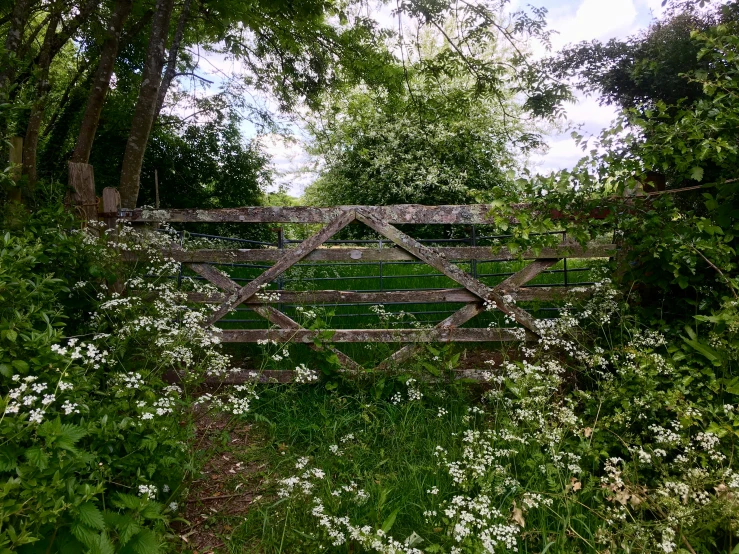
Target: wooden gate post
<point>82,183</point>
<point>111,203</point>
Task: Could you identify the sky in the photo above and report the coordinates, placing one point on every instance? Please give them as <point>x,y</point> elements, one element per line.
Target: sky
<point>575,21</point>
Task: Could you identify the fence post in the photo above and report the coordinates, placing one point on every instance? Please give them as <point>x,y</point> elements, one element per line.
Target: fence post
<point>111,203</point>
<point>474,243</point>
<point>381,285</point>
<point>564,260</point>
<point>281,278</point>
<point>82,181</point>
<point>182,265</point>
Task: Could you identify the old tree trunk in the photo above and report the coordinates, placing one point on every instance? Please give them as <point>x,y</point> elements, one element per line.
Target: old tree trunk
<point>145,105</point>
<point>101,82</point>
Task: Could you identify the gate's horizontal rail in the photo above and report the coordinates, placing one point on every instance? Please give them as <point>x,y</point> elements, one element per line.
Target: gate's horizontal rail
<point>389,297</point>
<point>374,335</point>
<point>288,376</point>
<point>462,253</point>
<point>398,214</point>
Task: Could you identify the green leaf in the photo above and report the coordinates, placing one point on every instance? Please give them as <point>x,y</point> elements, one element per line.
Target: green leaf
<point>6,370</point>
<point>696,173</point>
<point>37,457</point>
<point>431,368</point>
<point>128,501</point>
<point>91,516</point>
<point>8,459</point>
<point>390,520</point>
<point>704,349</point>
<point>102,545</point>
<point>20,365</point>
<point>144,542</point>
<point>83,533</point>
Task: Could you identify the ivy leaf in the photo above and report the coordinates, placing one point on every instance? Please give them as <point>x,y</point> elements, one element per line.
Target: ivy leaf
<point>91,516</point>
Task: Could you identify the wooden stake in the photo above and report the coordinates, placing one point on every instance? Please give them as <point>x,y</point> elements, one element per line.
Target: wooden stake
<point>82,181</point>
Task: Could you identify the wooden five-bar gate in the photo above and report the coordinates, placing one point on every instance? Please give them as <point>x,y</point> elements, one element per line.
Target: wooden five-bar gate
<point>476,296</point>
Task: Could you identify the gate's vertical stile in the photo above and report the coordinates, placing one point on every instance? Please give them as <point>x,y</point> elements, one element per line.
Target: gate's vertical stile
<point>281,278</point>
<point>564,261</point>
<point>475,296</point>
<point>381,285</point>
<point>473,240</point>
<point>182,265</point>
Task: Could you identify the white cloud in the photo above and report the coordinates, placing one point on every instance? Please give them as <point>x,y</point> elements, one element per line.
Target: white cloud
<point>290,162</point>
<point>590,114</point>
<point>563,153</point>
<point>589,118</point>
<point>594,19</point>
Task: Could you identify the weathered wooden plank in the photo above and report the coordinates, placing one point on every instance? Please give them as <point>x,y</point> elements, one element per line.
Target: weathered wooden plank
<point>462,253</point>
<point>525,294</point>
<point>82,181</point>
<point>253,376</point>
<point>212,275</point>
<point>295,255</point>
<point>408,297</point>
<point>287,376</point>
<point>428,256</point>
<point>398,214</point>
<point>524,276</point>
<point>446,334</point>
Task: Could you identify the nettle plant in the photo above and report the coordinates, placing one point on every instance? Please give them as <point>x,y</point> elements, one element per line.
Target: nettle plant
<point>95,444</point>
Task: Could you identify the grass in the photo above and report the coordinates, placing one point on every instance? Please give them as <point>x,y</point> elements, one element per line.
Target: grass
<point>387,450</point>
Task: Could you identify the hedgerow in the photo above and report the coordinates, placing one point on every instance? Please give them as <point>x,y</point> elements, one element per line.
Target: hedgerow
<point>96,446</point>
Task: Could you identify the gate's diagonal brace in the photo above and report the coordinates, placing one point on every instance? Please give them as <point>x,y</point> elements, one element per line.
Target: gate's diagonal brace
<point>512,283</point>
<point>290,258</point>
<point>461,316</point>
<point>285,322</point>
<point>269,313</point>
<point>428,256</point>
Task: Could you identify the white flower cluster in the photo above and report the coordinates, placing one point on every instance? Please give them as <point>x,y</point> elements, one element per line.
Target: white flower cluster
<point>306,313</point>
<point>148,491</point>
<point>267,296</point>
<point>340,530</point>
<point>34,398</point>
<point>304,375</point>
<point>476,523</point>
<point>86,353</point>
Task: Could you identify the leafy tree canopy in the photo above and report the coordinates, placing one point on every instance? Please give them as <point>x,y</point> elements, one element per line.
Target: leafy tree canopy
<point>649,67</point>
